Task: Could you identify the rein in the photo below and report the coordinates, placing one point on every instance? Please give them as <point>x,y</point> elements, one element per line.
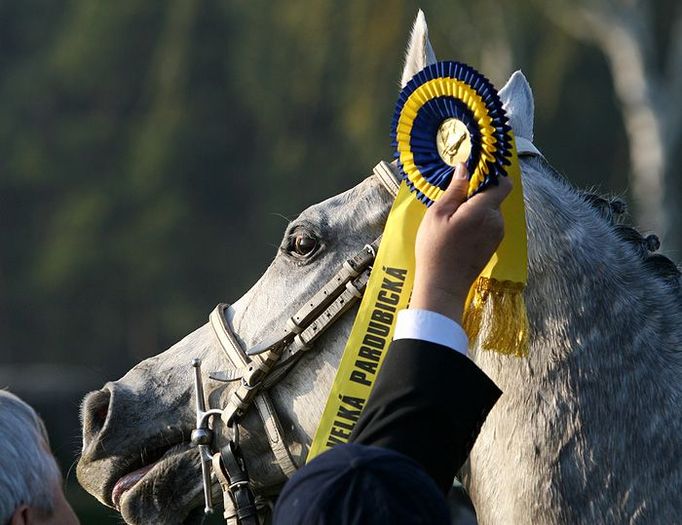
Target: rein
<point>257,369</point>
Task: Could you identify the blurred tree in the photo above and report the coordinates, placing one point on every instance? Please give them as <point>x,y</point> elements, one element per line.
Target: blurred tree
<point>642,42</point>
<point>149,149</point>
<point>146,149</point>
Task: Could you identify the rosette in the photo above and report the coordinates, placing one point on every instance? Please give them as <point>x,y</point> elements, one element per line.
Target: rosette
<point>446,114</point>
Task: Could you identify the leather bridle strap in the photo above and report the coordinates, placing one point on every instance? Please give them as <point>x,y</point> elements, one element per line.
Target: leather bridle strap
<point>259,368</point>
<point>253,368</point>
<point>389,176</point>
<point>264,365</point>
<point>266,410</point>
<point>525,147</point>
<point>255,372</point>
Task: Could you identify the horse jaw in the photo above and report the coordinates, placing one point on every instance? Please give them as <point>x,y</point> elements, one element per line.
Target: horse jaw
<point>145,418</point>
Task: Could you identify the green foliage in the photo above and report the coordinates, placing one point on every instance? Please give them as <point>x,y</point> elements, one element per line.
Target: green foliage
<point>146,148</point>
<point>149,149</point>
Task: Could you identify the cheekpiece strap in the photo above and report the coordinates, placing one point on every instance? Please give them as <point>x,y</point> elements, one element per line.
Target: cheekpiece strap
<point>526,147</point>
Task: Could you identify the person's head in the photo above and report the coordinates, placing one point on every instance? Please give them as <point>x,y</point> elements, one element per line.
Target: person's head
<point>30,480</point>
<point>353,484</point>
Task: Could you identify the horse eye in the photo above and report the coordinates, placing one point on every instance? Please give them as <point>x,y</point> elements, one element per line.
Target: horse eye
<point>304,245</point>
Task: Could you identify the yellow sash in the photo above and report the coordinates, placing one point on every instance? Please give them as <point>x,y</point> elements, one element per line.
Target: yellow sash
<point>447,113</point>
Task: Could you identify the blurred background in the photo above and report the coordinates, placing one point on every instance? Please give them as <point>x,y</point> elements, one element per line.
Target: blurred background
<point>151,151</point>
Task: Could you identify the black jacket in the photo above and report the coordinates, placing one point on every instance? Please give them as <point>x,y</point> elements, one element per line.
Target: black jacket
<point>429,403</point>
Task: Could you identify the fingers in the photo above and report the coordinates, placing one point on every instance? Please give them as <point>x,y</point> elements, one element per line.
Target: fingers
<point>456,192</point>
<point>493,195</point>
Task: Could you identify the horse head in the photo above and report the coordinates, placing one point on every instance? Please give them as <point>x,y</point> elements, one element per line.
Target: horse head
<point>588,426</point>
<point>144,420</point>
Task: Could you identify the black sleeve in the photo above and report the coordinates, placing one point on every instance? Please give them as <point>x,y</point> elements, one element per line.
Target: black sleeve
<point>428,403</point>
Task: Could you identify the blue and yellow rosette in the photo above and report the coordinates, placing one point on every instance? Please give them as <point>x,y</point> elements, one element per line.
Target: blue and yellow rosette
<point>447,114</point>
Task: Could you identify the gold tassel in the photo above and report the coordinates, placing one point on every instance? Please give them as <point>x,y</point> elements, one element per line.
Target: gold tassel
<point>497,313</point>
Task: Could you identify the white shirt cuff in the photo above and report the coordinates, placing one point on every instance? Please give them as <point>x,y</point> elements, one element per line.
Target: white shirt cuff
<point>430,326</point>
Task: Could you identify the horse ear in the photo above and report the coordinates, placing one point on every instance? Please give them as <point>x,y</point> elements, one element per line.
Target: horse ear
<point>419,51</point>
<point>518,102</point>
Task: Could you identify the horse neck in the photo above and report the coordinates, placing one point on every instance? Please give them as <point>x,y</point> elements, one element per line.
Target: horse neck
<point>597,401</point>
<point>592,301</point>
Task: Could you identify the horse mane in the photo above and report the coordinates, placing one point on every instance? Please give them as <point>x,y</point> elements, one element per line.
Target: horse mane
<point>613,210</point>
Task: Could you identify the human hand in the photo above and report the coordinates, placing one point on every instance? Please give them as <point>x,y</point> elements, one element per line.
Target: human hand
<point>456,239</point>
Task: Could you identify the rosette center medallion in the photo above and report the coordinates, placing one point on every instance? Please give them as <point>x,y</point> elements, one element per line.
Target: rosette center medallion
<point>453,142</point>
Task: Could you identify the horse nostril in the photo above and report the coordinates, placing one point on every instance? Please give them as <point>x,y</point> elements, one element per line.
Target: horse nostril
<point>101,415</point>
<point>95,411</point>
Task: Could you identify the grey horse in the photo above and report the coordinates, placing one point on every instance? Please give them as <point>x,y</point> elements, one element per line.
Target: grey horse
<point>588,429</point>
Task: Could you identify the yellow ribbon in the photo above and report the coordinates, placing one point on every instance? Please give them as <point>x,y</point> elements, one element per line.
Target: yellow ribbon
<point>494,316</point>
<point>495,312</point>
<point>387,292</point>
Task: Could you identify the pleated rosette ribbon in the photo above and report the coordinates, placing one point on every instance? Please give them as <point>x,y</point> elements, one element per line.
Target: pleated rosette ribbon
<point>446,114</point>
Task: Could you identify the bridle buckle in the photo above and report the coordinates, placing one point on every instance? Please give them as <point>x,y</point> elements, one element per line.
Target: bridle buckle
<point>227,464</point>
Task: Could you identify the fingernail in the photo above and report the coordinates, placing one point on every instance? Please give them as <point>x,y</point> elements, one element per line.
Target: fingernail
<point>460,171</point>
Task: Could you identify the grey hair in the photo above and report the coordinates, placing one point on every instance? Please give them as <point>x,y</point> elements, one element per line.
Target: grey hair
<point>28,471</point>
<point>612,209</point>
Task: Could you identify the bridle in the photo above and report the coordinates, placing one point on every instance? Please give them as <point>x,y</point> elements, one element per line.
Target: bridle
<point>259,368</point>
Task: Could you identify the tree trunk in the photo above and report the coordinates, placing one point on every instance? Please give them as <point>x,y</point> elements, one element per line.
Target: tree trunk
<point>650,98</point>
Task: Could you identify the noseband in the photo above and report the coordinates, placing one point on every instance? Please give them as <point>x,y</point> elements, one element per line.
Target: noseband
<point>257,369</point>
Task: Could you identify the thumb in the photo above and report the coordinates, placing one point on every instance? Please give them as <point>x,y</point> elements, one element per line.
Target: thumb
<point>456,193</point>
